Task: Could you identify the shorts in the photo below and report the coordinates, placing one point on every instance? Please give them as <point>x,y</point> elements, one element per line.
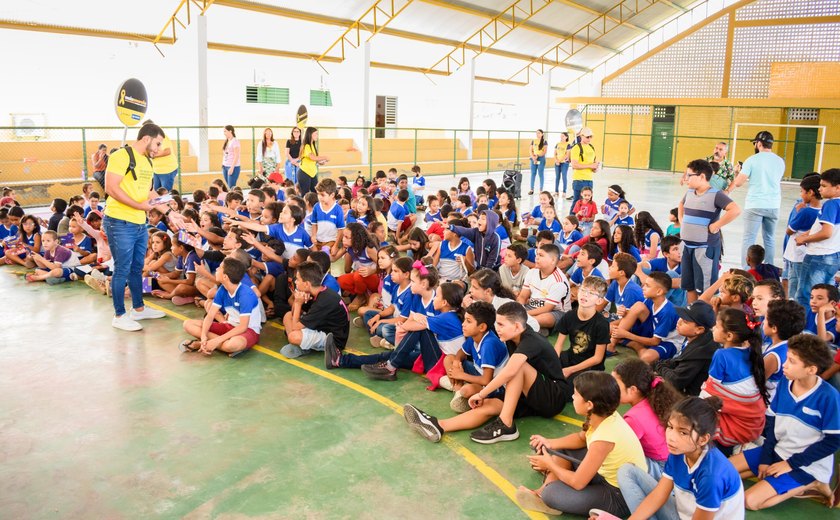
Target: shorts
<point>221,329</point>
<point>666,350</point>
<point>783,483</point>
<point>406,224</point>
<point>700,267</point>
<point>313,340</point>
<point>65,272</point>
<point>546,398</point>
<point>556,314</point>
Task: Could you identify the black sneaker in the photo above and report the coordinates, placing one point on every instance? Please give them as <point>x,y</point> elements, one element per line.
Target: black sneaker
<point>380,371</point>
<point>331,353</point>
<point>423,423</point>
<point>495,431</point>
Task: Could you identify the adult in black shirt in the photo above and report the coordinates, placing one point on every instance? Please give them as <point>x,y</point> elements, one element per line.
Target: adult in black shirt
<point>293,154</point>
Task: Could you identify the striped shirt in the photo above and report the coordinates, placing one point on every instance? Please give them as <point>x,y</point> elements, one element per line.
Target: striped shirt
<point>700,210</point>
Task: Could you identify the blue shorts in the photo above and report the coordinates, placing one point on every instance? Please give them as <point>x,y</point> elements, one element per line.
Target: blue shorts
<point>666,350</point>
<point>65,272</point>
<point>783,483</point>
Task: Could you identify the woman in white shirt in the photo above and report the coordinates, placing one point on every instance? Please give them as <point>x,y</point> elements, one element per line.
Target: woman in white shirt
<point>268,154</point>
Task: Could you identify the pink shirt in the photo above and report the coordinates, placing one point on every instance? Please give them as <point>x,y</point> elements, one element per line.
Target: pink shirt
<point>643,420</point>
<point>231,150</point>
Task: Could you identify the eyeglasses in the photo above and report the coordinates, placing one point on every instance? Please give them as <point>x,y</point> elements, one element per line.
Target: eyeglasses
<point>693,174</point>
<point>589,293</point>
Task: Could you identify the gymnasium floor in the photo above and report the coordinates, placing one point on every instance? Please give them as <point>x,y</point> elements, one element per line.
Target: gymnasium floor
<point>98,423</point>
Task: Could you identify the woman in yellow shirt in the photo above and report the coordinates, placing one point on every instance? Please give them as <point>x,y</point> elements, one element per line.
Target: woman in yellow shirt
<point>309,162</point>
<point>581,469</point>
<point>539,147</point>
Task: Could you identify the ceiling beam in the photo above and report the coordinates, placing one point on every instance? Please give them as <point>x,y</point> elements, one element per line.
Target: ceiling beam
<point>81,31</point>
<point>388,31</point>
<point>374,20</point>
<point>184,5</point>
<point>595,12</point>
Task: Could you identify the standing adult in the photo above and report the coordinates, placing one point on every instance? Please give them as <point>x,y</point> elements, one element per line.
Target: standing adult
<point>293,155</point>
<point>268,154</point>
<point>309,162</point>
<point>584,164</point>
<point>165,164</point>
<point>99,162</point>
<point>537,150</point>
<point>128,182</point>
<point>231,162</point>
<point>764,171</point>
<point>561,164</point>
<point>725,175</point>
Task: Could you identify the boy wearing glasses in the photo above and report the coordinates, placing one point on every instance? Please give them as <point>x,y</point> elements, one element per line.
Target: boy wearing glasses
<point>699,213</point>
<point>587,329</point>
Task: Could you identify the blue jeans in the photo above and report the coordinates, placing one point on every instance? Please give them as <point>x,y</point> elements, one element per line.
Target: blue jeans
<point>816,269</point>
<point>538,168</point>
<point>794,278</point>
<point>231,175</point>
<point>383,330</point>
<point>560,170</point>
<point>306,184</point>
<point>128,243</point>
<point>291,171</point>
<point>577,186</point>
<point>165,180</point>
<point>764,219</point>
<point>636,484</point>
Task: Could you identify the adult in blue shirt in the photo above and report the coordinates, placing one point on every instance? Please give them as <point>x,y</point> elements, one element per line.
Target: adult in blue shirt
<point>764,170</point>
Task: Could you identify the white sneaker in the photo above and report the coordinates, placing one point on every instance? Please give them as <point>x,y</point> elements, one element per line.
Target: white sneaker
<point>446,383</point>
<point>125,322</point>
<point>97,275</point>
<point>147,314</point>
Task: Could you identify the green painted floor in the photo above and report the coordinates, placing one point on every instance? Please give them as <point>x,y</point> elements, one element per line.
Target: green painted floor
<point>98,423</point>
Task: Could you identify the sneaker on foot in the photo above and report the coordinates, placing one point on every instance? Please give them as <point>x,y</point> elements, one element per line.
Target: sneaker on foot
<point>423,423</point>
<point>459,403</point>
<point>331,353</point>
<point>359,322</point>
<point>495,431</point>
<point>146,314</point>
<point>446,383</point>
<point>125,322</point>
<point>380,371</point>
<point>387,345</point>
<point>375,341</point>
<point>93,284</point>
<point>97,275</point>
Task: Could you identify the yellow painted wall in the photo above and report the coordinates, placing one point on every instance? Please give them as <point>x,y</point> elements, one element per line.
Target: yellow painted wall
<point>809,80</point>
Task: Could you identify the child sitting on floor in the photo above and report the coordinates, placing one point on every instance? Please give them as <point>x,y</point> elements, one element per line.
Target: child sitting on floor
<point>733,291</point>
<point>587,329</point>
<point>760,270</point>
<point>821,317</point>
<point>545,293</point>
<point>689,369</point>
<point>622,292</point>
<point>668,263</point>
<point>179,285</point>
<point>358,247</point>
<point>784,319</point>
<point>513,269</point>
<point>56,264</point>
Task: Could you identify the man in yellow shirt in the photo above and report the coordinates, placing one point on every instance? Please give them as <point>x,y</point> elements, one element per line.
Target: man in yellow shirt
<point>130,196</point>
<point>584,164</point>
<point>165,165</point>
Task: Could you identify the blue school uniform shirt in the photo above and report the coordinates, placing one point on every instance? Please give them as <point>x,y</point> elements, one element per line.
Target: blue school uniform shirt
<point>433,217</point>
<point>490,352</point>
<point>732,369</point>
<point>307,223</point>
<point>329,281</point>
<point>633,251</point>
<point>568,239</point>
<point>295,240</point>
<point>467,211</point>
<point>648,235</point>
<point>329,221</point>
<point>402,300</point>
<point>243,302</point>
<point>611,207</point>
<point>811,325</point>
<point>187,264</point>
<point>577,277</point>
<point>396,215</point>
<point>243,212</point>
<point>491,203</point>
<point>537,212</point>
<point>446,327</point>
<point>420,307</point>
<point>660,265</point>
<point>665,323</point>
<point>625,221</point>
<point>779,351</point>
<point>801,220</point>
<point>532,254</point>
<point>510,216</point>
<point>86,245</point>
<point>712,484</point>
<point>554,227</point>
<point>503,234</point>
<point>11,231</point>
<point>162,226</point>
<point>797,424</point>
<point>387,291</point>
<point>419,181</point>
<point>449,265</point>
<point>631,294</point>
<point>88,209</point>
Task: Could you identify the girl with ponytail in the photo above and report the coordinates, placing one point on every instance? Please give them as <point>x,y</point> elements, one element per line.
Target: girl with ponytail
<point>736,375</point>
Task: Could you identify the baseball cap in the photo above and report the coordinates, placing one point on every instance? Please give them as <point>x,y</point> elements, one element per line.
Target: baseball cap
<point>698,312</point>
<point>275,177</point>
<point>764,136</point>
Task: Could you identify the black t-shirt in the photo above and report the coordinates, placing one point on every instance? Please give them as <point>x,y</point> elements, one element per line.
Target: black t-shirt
<point>327,313</point>
<point>583,337</point>
<point>540,354</point>
<point>294,148</point>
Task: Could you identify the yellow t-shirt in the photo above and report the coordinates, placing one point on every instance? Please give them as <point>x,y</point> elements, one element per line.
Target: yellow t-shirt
<point>627,450</point>
<point>167,163</point>
<point>583,174</point>
<point>137,190</point>
<point>307,165</point>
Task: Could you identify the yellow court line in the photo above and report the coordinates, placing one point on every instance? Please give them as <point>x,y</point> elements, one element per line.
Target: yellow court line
<point>471,458</point>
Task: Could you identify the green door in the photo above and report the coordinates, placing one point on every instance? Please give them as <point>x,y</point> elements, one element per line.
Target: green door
<point>662,138</point>
<point>804,152</point>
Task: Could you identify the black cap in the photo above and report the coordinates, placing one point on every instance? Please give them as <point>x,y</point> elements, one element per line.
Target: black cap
<point>698,312</point>
<point>764,137</point>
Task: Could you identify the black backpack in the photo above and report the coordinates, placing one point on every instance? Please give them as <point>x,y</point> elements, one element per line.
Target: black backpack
<point>132,163</point>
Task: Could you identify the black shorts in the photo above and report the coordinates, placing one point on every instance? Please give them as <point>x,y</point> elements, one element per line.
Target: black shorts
<point>546,398</point>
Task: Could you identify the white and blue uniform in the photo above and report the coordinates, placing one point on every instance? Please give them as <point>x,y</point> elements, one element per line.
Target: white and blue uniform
<point>360,260</point>
<point>402,300</point>
<point>451,263</point>
<point>187,264</point>
<point>712,484</point>
<point>648,236</point>
<point>625,221</point>
<point>779,351</point>
<point>504,238</point>
<point>665,328</point>
<point>329,221</point>
<point>243,302</point>
<point>578,276</point>
<point>660,265</point>
<point>611,207</point>
<point>396,215</point>
<point>307,223</point>
<point>490,352</point>
<point>554,226</point>
<point>419,306</point>
<point>631,294</point>
<point>448,331</point>
<point>387,291</point>
<point>633,251</point>
<point>298,238</point>
<point>566,240</point>
<point>811,325</point>
<point>433,217</point>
